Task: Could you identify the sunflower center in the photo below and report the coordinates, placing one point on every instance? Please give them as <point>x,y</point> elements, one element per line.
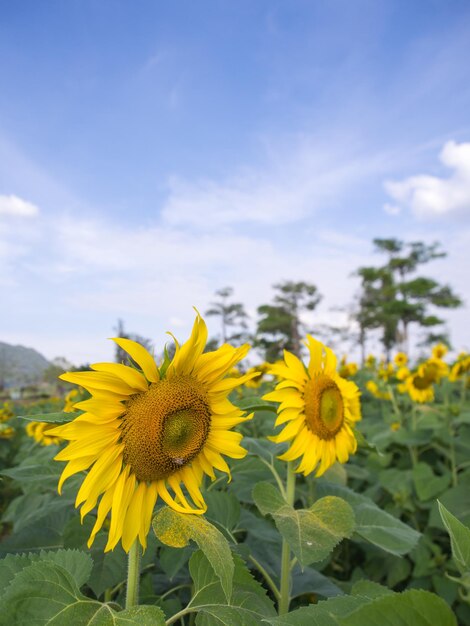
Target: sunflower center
<point>166,427</point>
<point>324,408</point>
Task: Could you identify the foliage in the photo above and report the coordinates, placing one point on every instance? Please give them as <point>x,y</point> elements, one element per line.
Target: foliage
<point>392,297</point>
<point>233,318</point>
<point>280,326</point>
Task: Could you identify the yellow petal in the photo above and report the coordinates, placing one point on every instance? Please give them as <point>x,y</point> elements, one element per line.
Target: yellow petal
<point>141,356</point>
<point>103,510</point>
<point>129,375</point>
<point>73,467</point>
<point>98,380</point>
<point>133,520</point>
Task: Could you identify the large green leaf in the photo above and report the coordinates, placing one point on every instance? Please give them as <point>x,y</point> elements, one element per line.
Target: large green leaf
<point>78,564</point>
<point>249,603</point>
<point>31,509</point>
<point>45,473</point>
<point>44,592</point>
<point>311,533</point>
<point>177,529</point>
<point>374,524</point>
<point>416,608</point>
<point>459,538</point>
<point>428,486</point>
<point>456,499</point>
<point>419,608</point>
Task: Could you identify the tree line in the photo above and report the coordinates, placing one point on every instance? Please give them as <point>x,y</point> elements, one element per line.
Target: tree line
<point>392,297</point>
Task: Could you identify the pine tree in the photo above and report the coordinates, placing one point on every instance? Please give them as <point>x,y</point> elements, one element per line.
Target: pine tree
<point>280,327</point>
<point>392,297</point>
<point>233,319</point>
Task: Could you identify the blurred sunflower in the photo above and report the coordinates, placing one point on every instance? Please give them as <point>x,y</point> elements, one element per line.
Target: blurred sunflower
<point>420,388</point>
<point>400,359</point>
<point>6,412</point>
<point>433,369</point>
<point>347,370</point>
<point>461,367</point>
<point>373,388</point>
<point>151,428</point>
<point>386,370</point>
<point>320,409</point>
<point>70,399</point>
<point>6,432</point>
<point>439,350</point>
<point>40,432</point>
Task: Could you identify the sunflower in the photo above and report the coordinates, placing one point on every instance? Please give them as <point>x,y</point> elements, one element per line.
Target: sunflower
<point>439,350</point>
<point>148,429</point>
<point>373,388</point>
<point>41,432</point>
<point>319,407</point>
<point>460,368</point>
<point>433,369</point>
<point>400,359</point>
<point>420,388</point>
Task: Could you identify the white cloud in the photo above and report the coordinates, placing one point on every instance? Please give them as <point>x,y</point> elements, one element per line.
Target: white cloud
<point>17,207</point>
<point>433,196</point>
<point>297,180</point>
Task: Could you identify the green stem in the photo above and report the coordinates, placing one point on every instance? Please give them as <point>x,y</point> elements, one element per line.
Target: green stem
<point>450,428</point>
<point>394,402</point>
<point>274,472</point>
<point>133,574</point>
<point>285,558</point>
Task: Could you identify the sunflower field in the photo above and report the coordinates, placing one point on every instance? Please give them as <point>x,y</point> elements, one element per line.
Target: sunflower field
<point>196,490</point>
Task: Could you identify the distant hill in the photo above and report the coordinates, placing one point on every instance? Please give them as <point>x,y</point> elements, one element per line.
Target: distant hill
<point>20,366</point>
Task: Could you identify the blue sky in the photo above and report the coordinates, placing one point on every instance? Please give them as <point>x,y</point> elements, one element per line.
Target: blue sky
<point>153,152</point>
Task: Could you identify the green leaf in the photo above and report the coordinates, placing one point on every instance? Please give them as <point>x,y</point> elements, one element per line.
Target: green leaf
<point>249,603</point>
<point>456,499</point>
<point>78,564</point>
<point>177,529</point>
<point>246,473</point>
<point>32,508</point>
<point>419,608</point>
<point>135,616</point>
<point>44,592</point>
<point>374,524</point>
<point>52,418</point>
<point>459,538</point>
<point>427,484</point>
<point>223,508</point>
<point>311,533</point>
<point>47,473</point>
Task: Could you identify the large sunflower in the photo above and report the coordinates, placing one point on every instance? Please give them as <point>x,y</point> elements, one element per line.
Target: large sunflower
<point>147,429</point>
<point>319,407</point>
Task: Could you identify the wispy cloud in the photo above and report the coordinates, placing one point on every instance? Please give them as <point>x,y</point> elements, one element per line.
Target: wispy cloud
<point>297,181</point>
<point>433,196</point>
<point>17,207</point>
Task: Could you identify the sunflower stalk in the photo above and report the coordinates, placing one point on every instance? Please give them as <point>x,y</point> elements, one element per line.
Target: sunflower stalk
<point>285,558</point>
<point>133,575</point>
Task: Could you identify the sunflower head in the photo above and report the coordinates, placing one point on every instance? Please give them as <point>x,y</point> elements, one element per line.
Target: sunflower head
<point>148,431</point>
<point>319,408</point>
<point>439,350</point>
<point>419,387</point>
<point>400,359</point>
<point>41,432</point>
